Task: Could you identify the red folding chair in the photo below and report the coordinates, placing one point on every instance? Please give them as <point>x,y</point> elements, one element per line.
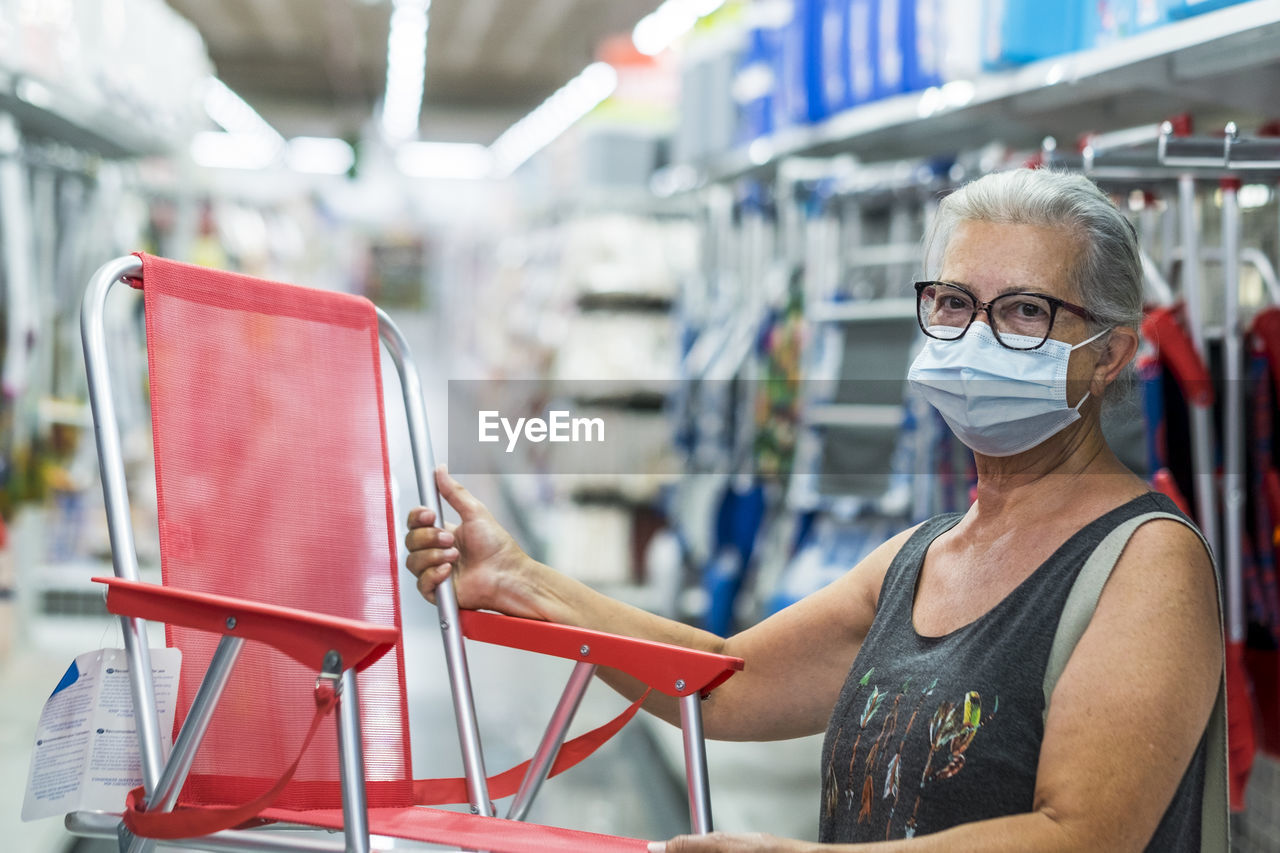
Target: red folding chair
<point>276,527</point>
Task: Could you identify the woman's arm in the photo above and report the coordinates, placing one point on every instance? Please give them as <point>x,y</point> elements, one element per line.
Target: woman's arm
<point>1124,721</point>
<point>797,660</point>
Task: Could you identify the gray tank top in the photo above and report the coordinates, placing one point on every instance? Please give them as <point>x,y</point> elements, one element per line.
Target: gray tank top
<point>931,732</point>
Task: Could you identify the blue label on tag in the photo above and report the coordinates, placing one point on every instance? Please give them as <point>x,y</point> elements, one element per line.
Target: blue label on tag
<point>71,677</point>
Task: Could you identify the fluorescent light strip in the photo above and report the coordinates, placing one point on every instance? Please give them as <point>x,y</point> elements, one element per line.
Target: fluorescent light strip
<point>448,160</point>
<point>216,150</point>
<point>233,114</point>
<point>553,117</point>
<point>316,155</point>
<point>406,69</point>
<point>660,29</point>
<point>249,141</point>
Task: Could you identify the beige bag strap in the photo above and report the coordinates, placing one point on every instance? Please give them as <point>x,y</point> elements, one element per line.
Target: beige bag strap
<point>1076,615</point>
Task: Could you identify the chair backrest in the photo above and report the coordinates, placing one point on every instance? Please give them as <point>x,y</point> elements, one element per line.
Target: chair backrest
<point>273,484</point>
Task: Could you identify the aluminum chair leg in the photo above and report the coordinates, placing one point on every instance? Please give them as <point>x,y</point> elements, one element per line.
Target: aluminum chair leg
<point>355,810</point>
<point>174,775</point>
<point>196,725</point>
<point>111,465</point>
<point>695,764</point>
<point>103,825</point>
<point>552,740</point>
<point>464,706</point>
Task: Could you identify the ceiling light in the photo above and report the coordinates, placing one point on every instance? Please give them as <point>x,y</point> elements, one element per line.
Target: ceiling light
<point>317,155</point>
<point>215,150</point>
<point>406,69</point>
<point>1253,195</point>
<point>448,160</point>
<point>661,28</point>
<point>553,116</point>
<point>233,114</point>
<point>34,92</point>
<point>958,93</point>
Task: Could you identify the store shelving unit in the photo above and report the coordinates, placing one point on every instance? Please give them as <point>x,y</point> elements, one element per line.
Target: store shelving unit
<point>1220,65</point>
<point>46,111</point>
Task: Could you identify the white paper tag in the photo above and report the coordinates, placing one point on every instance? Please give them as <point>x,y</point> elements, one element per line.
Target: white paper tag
<point>86,749</point>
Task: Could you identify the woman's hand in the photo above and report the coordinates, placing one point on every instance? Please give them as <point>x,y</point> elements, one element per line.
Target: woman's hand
<point>491,569</point>
<point>720,842</point>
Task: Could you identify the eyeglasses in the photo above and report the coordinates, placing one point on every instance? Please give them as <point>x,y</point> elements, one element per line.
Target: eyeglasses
<point>1019,321</point>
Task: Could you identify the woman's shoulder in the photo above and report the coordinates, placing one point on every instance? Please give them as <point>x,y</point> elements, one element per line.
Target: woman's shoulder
<point>1162,519</point>
<point>1164,558</point>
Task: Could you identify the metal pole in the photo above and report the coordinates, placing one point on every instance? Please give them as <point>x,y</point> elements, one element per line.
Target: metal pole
<point>1201,416</point>
<point>424,465</point>
<point>18,259</point>
<point>695,763</point>
<point>1233,413</point>
<point>165,795</point>
<point>111,465</point>
<point>103,825</point>
<point>552,739</point>
<point>1259,261</point>
<point>355,811</point>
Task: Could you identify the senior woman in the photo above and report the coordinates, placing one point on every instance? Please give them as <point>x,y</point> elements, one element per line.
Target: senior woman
<point>924,663</point>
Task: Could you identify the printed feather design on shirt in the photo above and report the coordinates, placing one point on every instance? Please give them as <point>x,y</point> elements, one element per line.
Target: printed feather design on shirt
<point>952,728</point>
<point>893,777</point>
<point>831,785</point>
<point>963,729</point>
<point>887,728</point>
<point>868,714</point>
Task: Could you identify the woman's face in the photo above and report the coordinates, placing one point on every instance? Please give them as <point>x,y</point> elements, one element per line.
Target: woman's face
<point>993,258</point>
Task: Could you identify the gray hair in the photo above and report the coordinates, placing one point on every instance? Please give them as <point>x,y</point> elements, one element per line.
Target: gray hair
<point>1107,275</point>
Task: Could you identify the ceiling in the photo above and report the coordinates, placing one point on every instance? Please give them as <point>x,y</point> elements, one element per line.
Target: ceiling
<point>317,67</point>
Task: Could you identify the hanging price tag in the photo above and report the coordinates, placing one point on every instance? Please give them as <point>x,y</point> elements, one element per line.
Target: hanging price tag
<point>86,749</point>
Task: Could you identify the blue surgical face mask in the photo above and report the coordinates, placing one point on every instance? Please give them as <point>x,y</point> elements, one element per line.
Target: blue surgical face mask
<point>998,401</point>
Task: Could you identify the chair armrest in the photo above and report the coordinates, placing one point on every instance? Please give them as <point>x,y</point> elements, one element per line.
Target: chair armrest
<point>301,634</point>
<point>659,665</point>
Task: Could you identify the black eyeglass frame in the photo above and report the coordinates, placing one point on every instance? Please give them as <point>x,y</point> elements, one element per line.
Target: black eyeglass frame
<point>978,305</point>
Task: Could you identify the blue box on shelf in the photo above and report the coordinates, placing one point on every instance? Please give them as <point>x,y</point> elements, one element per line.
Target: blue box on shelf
<point>1149,14</point>
<point>892,49</point>
<point>1187,8</point>
<point>924,41</point>
<point>1107,21</point>
<point>755,85</point>
<point>835,52</point>
<point>862,59</point>
<point>1022,31</point>
<point>803,84</point>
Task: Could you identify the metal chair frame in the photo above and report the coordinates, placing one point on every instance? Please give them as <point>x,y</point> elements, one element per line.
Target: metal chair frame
<point>163,780</point>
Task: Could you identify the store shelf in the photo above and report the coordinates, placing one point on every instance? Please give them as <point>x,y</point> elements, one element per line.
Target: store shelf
<point>884,255</point>
<point>617,300</point>
<point>44,111</point>
<point>863,311</point>
<point>1220,65</point>
<point>854,415</point>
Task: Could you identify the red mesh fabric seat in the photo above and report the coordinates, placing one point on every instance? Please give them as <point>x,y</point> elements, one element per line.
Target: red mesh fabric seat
<point>272,481</point>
